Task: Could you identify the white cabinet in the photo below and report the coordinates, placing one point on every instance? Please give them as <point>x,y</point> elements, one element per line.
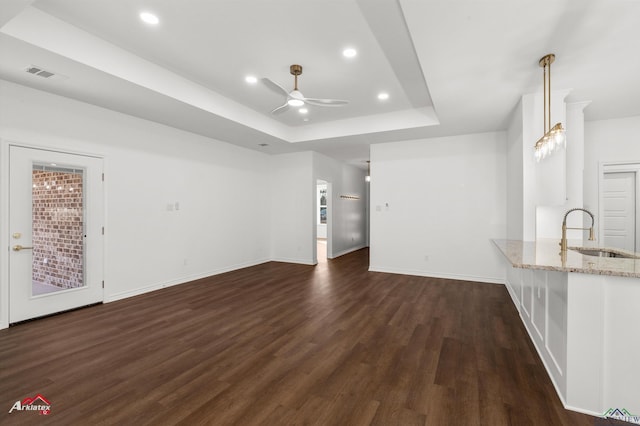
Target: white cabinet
<point>543,310</point>
<point>586,329</point>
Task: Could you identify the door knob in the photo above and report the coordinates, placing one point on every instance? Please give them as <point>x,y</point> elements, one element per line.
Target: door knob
<point>18,247</point>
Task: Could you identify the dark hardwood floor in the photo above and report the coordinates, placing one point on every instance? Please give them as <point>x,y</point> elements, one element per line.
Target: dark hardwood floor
<point>283,344</point>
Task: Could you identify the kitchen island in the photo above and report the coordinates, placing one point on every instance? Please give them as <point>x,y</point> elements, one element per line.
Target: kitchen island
<point>582,313</point>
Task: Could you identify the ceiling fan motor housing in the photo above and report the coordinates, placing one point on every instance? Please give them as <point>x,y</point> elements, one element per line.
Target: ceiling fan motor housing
<point>295,69</point>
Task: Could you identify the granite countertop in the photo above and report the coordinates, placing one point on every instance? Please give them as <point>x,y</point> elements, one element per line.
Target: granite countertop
<point>545,254</point>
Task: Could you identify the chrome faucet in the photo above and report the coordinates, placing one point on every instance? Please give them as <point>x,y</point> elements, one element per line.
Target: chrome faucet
<point>563,242</point>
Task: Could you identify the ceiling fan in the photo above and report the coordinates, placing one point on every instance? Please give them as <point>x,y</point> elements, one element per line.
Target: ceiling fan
<point>295,98</point>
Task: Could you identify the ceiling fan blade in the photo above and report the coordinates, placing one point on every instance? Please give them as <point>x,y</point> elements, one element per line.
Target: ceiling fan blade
<point>275,87</point>
<point>281,109</point>
<point>325,102</point>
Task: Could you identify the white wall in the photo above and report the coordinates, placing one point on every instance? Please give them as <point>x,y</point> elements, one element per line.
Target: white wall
<point>292,202</point>
<point>515,177</point>
<point>615,140</point>
<point>223,190</point>
<point>435,205</point>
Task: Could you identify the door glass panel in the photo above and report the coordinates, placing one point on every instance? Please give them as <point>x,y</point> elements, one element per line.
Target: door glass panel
<point>58,229</point>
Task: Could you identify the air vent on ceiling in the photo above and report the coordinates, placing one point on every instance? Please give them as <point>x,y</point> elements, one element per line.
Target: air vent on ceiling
<point>46,74</point>
<point>39,72</point>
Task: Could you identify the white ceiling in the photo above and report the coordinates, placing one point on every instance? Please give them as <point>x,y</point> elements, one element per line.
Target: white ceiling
<point>449,66</point>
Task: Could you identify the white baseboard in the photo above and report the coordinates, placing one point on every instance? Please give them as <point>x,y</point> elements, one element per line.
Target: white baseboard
<point>292,260</point>
<point>459,277</point>
<point>583,411</point>
<point>181,280</point>
<point>347,251</point>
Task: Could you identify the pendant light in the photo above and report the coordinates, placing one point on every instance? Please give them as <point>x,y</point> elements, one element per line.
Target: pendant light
<point>554,137</point>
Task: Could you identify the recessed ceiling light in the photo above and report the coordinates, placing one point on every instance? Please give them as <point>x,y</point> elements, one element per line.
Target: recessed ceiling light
<point>306,119</point>
<point>263,144</point>
<point>303,110</point>
<point>149,18</point>
<point>383,96</point>
<point>349,52</point>
<point>251,79</point>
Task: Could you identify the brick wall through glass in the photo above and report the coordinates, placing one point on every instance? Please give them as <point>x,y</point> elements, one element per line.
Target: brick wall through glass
<point>58,227</point>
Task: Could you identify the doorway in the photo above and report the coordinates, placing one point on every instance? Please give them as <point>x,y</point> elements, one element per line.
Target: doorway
<point>55,232</point>
<point>323,214</point>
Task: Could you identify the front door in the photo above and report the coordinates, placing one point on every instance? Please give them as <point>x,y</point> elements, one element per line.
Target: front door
<point>55,223</point>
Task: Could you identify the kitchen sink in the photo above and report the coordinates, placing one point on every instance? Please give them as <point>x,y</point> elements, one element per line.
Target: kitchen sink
<point>603,253</point>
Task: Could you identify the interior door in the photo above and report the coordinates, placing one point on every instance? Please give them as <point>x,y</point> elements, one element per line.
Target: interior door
<point>55,222</point>
<point>619,196</point>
